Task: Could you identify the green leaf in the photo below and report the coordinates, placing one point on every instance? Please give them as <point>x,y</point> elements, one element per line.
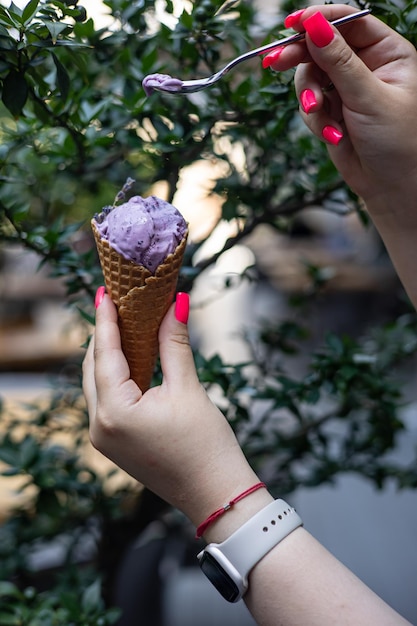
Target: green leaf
<point>8,453</point>
<point>15,13</point>
<point>15,92</point>
<point>10,590</point>
<point>42,114</point>
<point>62,78</point>
<point>55,29</point>
<point>412,16</point>
<point>12,471</point>
<point>89,318</point>
<point>69,43</point>
<point>91,600</point>
<point>29,451</point>
<point>335,344</point>
<point>6,19</point>
<point>84,29</point>
<point>29,11</point>
<point>89,111</point>
<point>10,620</point>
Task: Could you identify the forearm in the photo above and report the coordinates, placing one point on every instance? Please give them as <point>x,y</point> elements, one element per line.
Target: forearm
<point>300,583</point>
<point>395,218</point>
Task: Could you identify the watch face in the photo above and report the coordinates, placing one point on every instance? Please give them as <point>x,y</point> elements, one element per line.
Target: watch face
<point>219,578</point>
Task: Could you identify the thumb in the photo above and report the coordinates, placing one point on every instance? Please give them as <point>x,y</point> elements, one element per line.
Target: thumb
<point>110,362</point>
<point>175,352</point>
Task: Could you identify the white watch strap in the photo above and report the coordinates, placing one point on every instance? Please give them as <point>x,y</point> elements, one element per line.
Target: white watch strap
<point>249,544</point>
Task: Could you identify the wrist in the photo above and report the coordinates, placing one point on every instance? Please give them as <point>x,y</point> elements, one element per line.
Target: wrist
<point>213,517</point>
<point>229,563</point>
<point>242,511</point>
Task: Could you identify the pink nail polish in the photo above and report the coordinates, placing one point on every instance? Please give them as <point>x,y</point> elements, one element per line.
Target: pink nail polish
<point>319,29</point>
<point>308,100</point>
<point>182,307</point>
<point>99,296</point>
<point>271,57</point>
<point>332,135</point>
<point>293,18</point>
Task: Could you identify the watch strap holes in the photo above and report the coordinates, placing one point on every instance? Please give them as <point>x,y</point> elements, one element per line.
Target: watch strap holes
<point>280,517</point>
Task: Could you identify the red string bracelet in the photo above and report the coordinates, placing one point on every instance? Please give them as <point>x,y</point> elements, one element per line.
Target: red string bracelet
<point>211,518</point>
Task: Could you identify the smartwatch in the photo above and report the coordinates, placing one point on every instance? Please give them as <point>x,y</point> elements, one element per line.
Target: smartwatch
<point>227,564</point>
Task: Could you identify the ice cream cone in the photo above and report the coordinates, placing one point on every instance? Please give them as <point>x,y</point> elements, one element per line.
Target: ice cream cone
<point>142,299</point>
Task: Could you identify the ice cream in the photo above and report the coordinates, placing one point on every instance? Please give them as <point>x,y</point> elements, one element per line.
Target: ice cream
<point>141,245</point>
<point>153,81</point>
<point>142,230</point>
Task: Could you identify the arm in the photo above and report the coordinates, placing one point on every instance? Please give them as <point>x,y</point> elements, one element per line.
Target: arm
<point>177,443</point>
<point>374,107</point>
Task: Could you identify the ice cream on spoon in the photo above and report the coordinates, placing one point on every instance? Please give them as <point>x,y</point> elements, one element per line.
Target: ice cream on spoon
<point>166,82</point>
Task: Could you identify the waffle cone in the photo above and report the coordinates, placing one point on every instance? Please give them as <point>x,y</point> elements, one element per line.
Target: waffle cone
<point>142,299</point>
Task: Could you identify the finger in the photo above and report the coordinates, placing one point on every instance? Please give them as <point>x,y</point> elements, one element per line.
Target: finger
<point>111,368</point>
<point>330,11</point>
<point>365,35</point>
<point>356,83</point>
<point>310,83</point>
<point>282,59</point>
<point>325,127</point>
<point>89,384</point>
<point>286,57</point>
<point>320,106</point>
<point>177,361</point>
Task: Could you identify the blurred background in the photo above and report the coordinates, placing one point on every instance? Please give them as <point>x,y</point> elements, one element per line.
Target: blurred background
<point>301,330</point>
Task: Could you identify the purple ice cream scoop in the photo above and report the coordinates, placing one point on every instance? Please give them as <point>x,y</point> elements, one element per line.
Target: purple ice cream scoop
<point>153,81</point>
<point>142,230</point>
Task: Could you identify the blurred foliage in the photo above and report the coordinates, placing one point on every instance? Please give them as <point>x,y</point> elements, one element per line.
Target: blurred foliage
<point>342,415</point>
<point>68,607</point>
<point>74,124</point>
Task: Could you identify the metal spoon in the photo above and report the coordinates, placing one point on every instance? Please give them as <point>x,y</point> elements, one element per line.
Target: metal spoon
<point>176,86</point>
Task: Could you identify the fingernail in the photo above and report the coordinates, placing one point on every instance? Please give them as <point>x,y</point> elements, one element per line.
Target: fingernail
<point>308,100</point>
<point>332,135</point>
<point>182,307</point>
<point>99,296</point>
<point>319,29</point>
<point>271,57</point>
<point>293,18</point>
